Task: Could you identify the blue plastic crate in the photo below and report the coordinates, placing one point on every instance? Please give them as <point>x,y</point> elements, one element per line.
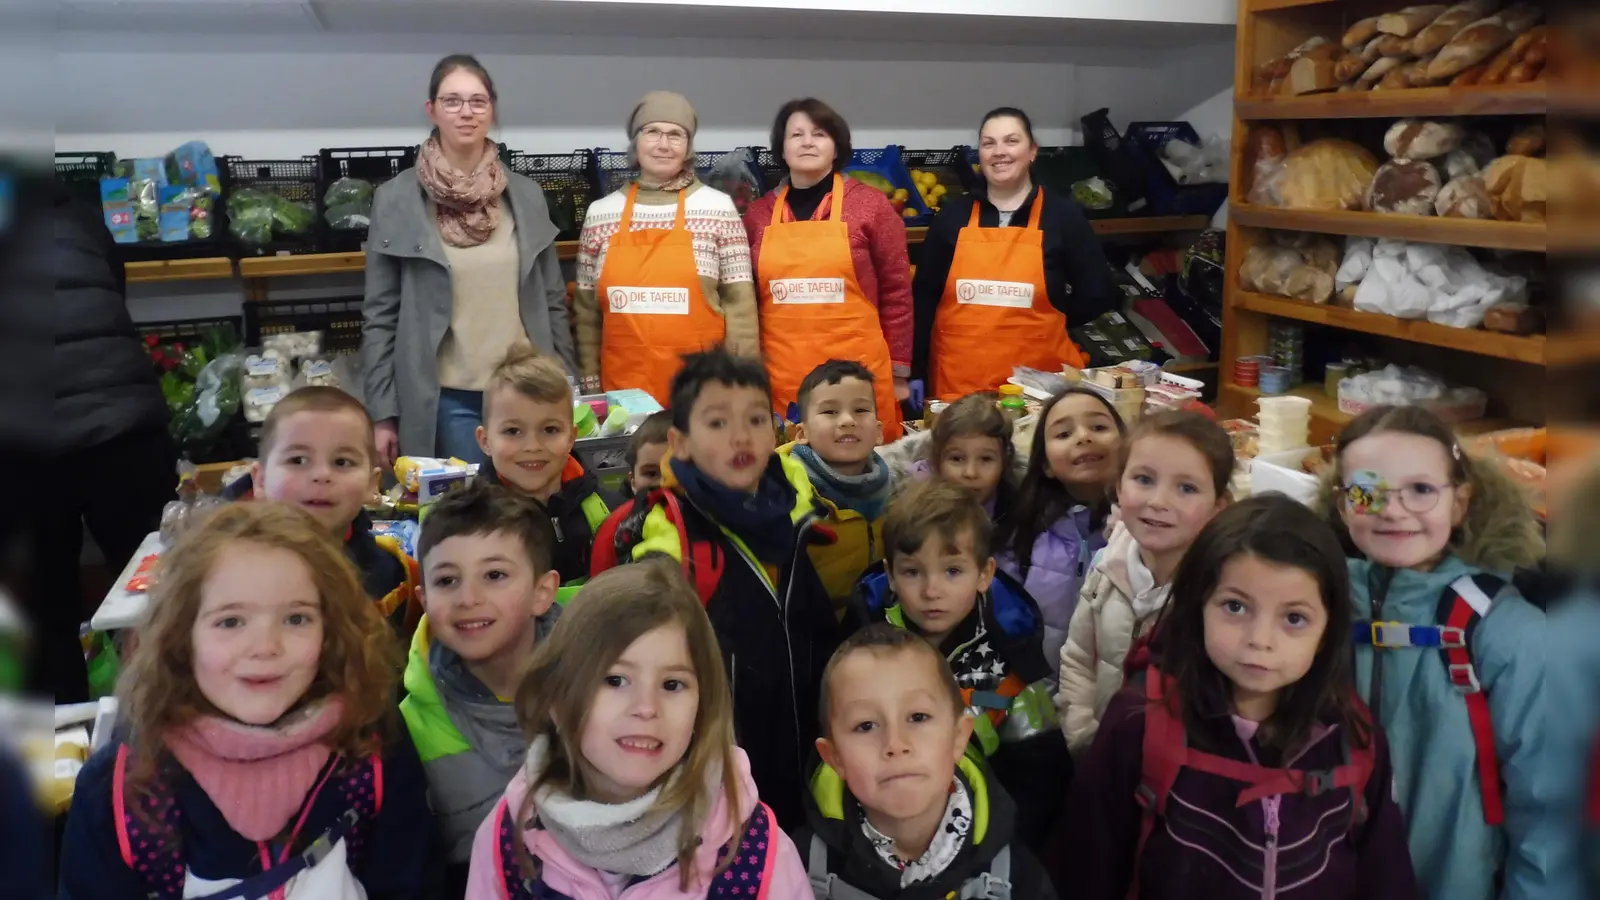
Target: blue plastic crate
<point>953,167</point>
<point>1167,197</point>
<point>888,163</point>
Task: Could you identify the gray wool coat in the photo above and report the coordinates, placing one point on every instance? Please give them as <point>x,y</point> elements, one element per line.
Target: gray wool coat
<point>407,303</point>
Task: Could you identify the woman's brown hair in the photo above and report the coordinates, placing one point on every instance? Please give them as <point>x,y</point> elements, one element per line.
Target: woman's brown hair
<point>613,610</point>
<point>979,415</point>
<point>360,656</point>
<point>469,63</point>
<point>825,118</point>
<point>1277,530</point>
<point>1205,436</point>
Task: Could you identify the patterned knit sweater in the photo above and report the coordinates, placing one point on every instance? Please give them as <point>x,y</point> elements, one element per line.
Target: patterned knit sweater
<point>721,254</point>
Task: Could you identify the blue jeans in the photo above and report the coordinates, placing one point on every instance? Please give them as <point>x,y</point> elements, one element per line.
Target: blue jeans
<point>460,414</point>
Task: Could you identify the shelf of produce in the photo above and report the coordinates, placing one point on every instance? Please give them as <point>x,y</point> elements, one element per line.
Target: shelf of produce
<point>179,270</point>
<point>307,264</point>
<point>1497,100</point>
<point>1529,236</point>
<point>1528,348</point>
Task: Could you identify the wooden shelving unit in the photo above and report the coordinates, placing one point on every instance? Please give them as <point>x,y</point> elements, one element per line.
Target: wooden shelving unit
<point>1509,368</point>
<point>179,270</point>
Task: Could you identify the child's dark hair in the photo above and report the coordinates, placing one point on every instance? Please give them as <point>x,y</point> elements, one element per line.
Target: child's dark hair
<point>979,415</point>
<point>1042,499</point>
<point>653,430</point>
<point>884,638</point>
<point>482,508</point>
<point>714,366</point>
<point>1205,436</point>
<point>831,372</point>
<point>935,509</point>
<point>1278,530</point>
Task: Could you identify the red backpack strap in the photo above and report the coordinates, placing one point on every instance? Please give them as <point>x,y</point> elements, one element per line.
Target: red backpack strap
<point>604,553</point>
<point>702,560</point>
<point>1464,604</point>
<point>1164,749</point>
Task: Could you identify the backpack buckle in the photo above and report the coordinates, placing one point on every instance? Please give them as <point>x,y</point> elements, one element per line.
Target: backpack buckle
<point>1464,677</point>
<point>1388,635</point>
<point>1319,782</point>
<point>1452,638</point>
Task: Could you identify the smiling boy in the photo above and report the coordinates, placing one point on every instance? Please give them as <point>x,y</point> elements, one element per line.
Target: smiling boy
<point>738,516</point>
<point>938,581</point>
<point>489,592</point>
<point>837,443</point>
<point>528,435</point>
<point>900,808</point>
<point>317,452</point>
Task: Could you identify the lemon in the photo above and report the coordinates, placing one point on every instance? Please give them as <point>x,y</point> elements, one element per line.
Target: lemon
<point>938,190</point>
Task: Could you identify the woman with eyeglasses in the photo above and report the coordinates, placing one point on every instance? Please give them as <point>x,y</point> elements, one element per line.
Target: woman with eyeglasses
<point>663,264</point>
<point>461,266</point>
<point>832,267</point>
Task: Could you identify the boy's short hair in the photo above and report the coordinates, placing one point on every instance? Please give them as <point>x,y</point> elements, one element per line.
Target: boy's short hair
<point>833,371</point>
<point>714,366</point>
<point>483,508</point>
<point>531,374</point>
<point>935,509</point>
<point>652,430</point>
<point>884,638</point>
<point>315,398</point>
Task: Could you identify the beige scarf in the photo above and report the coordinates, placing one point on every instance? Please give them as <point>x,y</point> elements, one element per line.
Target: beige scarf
<point>468,202</point>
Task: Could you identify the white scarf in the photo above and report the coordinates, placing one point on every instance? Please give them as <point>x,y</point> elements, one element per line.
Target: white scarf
<point>948,840</point>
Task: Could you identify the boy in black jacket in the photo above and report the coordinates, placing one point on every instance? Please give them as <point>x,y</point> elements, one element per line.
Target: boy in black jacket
<point>743,516</point>
<point>901,808</point>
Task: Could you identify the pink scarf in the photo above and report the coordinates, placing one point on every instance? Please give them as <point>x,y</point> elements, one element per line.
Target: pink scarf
<point>257,777</point>
<point>468,202</point>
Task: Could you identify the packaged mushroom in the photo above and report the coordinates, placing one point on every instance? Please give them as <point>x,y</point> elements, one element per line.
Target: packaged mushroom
<point>317,371</point>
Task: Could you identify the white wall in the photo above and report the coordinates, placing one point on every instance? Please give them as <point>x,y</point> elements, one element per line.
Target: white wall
<point>276,96</point>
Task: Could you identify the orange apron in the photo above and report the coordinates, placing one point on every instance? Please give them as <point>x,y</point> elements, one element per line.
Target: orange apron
<point>996,311</point>
<point>813,310</point>
<point>652,308</point>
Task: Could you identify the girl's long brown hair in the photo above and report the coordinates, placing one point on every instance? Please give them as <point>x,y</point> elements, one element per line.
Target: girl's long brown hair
<point>978,415</point>
<point>157,690</point>
<point>612,611</point>
<point>1275,529</point>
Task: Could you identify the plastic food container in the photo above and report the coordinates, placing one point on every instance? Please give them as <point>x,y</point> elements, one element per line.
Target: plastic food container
<point>1274,379</point>
<point>1282,472</point>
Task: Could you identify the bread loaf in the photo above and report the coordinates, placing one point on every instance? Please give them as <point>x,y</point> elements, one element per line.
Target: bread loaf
<point>1517,188</point>
<point>1327,174</point>
<point>1469,77</point>
<point>1410,20</point>
<point>1528,141</point>
<point>1417,74</point>
<point>1466,197</point>
<point>1495,72</point>
<point>1353,64</point>
<point>1398,79</point>
<point>1404,187</point>
<point>1512,318</point>
<point>1421,139</point>
<point>1526,40</point>
<point>1394,45</point>
<point>1475,43</point>
<point>1360,34</point>
<point>1432,39</point>
<point>1311,75</point>
<point>1523,72</point>
<point>1377,72</point>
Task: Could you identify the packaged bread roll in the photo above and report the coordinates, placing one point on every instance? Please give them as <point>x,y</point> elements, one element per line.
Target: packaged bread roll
<point>1476,43</point>
<point>1432,39</point>
<point>1517,188</point>
<point>1327,174</point>
<point>1404,187</point>
<point>1412,19</point>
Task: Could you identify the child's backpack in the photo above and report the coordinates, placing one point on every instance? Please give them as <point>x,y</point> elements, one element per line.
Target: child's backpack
<point>703,560</point>
<point>746,877</point>
<point>1167,752</point>
<point>159,860</point>
<point>1462,606</point>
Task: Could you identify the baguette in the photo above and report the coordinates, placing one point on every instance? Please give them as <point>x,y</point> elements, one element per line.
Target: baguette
<point>1360,34</point>
<point>1523,72</point>
<point>1394,45</point>
<point>1377,72</point>
<point>1417,74</point>
<point>1526,40</point>
<point>1398,78</point>
<point>1520,17</point>
<point>1433,38</point>
<point>1353,64</point>
<point>1476,43</point>
<point>1470,76</point>
<point>1410,20</point>
<point>1499,66</point>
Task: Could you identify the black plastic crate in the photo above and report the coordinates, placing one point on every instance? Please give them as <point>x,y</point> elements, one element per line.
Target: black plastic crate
<point>81,172</point>
<point>950,167</point>
<point>187,330</point>
<point>295,180</point>
<point>612,172</point>
<point>568,182</point>
<point>773,169</point>
<point>339,320</point>
<point>372,164</point>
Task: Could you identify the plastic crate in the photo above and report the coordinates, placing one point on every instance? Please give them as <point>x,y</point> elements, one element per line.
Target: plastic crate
<point>186,330</point>
<point>295,180</point>
<point>81,172</point>
<point>950,167</point>
<point>372,164</point>
<point>773,169</point>
<point>612,172</point>
<point>339,320</point>
<point>888,163</point>
<point>1167,197</point>
<point>568,182</point>
<point>1059,168</point>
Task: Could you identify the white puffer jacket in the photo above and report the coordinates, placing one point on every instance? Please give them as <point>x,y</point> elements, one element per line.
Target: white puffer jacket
<point>1119,602</point>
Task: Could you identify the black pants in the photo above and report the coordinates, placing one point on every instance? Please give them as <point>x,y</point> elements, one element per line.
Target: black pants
<point>117,489</point>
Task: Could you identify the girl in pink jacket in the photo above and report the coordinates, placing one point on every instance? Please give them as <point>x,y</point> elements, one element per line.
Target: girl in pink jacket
<point>633,788</point>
